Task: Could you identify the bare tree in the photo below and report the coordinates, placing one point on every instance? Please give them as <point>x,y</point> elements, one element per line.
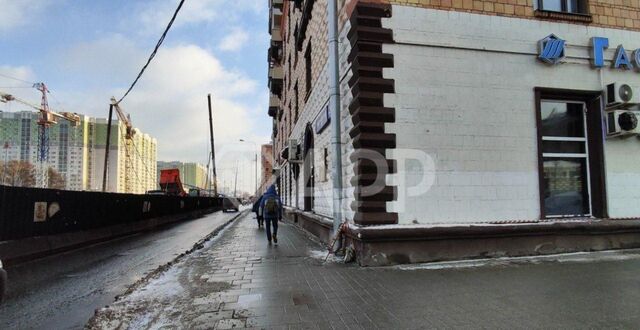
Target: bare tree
<point>56,180</point>
<point>18,173</point>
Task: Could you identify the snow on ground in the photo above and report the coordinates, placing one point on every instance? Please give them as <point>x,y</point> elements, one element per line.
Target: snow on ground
<point>157,300</point>
<point>322,255</point>
<point>577,257</point>
<point>136,310</point>
<point>354,227</point>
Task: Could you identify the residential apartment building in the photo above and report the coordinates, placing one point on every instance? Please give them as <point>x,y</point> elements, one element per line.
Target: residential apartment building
<point>481,123</point>
<point>68,150</point>
<point>191,174</point>
<point>77,152</point>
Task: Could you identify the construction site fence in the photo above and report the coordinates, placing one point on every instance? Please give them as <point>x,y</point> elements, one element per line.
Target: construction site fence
<point>30,212</point>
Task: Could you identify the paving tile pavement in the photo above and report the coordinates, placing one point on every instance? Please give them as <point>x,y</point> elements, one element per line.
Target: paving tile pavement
<point>239,281</point>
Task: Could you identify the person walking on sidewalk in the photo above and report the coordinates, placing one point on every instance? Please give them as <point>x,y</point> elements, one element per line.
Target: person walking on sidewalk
<point>256,209</point>
<point>271,207</point>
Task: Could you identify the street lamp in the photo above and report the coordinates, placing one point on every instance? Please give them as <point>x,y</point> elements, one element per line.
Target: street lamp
<point>255,145</point>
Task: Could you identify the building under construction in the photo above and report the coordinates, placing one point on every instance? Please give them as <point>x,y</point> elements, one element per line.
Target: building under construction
<point>77,152</point>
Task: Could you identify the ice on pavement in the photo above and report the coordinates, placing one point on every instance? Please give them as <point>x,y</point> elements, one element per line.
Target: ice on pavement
<point>159,293</point>
<point>577,257</point>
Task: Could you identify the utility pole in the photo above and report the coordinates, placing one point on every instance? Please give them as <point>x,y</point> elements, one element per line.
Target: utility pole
<point>106,150</point>
<point>334,103</point>
<point>235,183</point>
<point>6,157</point>
<point>213,148</point>
<point>207,183</point>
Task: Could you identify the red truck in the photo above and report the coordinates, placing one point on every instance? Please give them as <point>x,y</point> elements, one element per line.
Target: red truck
<point>170,182</point>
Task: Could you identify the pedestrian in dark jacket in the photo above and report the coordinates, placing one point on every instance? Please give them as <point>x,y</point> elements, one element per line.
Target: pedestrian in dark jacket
<point>271,207</point>
<point>256,210</point>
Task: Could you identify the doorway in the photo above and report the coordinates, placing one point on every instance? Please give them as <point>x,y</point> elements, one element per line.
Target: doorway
<point>309,169</point>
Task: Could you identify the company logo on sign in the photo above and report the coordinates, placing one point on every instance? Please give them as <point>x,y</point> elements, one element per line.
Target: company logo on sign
<point>551,49</point>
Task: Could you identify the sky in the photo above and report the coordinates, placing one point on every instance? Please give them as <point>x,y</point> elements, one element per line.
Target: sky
<point>88,51</point>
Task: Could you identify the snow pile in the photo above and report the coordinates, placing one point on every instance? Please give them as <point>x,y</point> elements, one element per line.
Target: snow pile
<point>153,303</point>
<point>322,255</point>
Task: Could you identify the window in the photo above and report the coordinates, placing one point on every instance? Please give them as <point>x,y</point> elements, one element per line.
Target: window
<point>289,73</point>
<point>295,49</point>
<point>564,6</point>
<point>289,187</point>
<point>325,165</point>
<point>565,159</point>
<point>570,153</point>
<point>308,64</point>
<point>296,100</point>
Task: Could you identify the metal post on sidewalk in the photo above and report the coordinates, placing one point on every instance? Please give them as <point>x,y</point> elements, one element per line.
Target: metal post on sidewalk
<point>334,103</point>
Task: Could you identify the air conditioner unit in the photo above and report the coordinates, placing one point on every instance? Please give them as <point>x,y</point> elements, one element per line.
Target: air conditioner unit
<point>619,95</point>
<point>293,150</point>
<point>622,122</point>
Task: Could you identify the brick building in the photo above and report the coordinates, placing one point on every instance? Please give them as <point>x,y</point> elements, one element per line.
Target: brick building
<point>266,158</point>
<point>469,128</point>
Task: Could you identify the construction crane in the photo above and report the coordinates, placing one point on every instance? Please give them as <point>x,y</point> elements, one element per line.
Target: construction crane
<point>128,136</point>
<point>47,118</point>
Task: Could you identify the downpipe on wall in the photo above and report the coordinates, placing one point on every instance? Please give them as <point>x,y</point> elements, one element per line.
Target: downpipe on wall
<point>334,103</point>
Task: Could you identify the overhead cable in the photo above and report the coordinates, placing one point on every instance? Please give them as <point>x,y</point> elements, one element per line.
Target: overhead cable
<point>16,79</point>
<point>155,50</point>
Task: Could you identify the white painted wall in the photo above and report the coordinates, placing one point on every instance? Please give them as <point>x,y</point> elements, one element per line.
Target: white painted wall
<point>465,96</point>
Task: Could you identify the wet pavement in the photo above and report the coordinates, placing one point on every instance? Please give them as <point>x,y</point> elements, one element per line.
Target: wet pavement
<point>240,281</point>
<point>63,291</point>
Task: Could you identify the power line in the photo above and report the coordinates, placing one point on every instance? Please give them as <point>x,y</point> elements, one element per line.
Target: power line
<point>155,50</point>
<point>16,79</point>
<point>146,167</point>
<point>60,107</point>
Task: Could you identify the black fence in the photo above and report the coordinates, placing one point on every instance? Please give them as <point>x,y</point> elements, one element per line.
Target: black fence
<point>28,212</point>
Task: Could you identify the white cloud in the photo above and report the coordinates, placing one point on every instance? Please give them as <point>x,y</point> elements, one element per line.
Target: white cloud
<point>18,85</point>
<point>170,101</point>
<point>113,56</point>
<point>17,13</point>
<point>23,74</point>
<point>155,15</point>
<point>235,40</point>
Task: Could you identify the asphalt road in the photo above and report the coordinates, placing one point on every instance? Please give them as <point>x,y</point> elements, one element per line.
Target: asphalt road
<point>62,291</point>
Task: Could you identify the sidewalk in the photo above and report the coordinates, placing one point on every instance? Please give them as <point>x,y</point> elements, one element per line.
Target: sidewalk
<point>239,281</point>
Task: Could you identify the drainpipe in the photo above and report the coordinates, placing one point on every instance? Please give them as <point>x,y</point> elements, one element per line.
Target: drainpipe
<point>334,104</point>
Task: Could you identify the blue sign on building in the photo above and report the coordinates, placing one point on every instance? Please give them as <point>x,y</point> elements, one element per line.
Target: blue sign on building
<point>551,50</point>
<point>323,120</point>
